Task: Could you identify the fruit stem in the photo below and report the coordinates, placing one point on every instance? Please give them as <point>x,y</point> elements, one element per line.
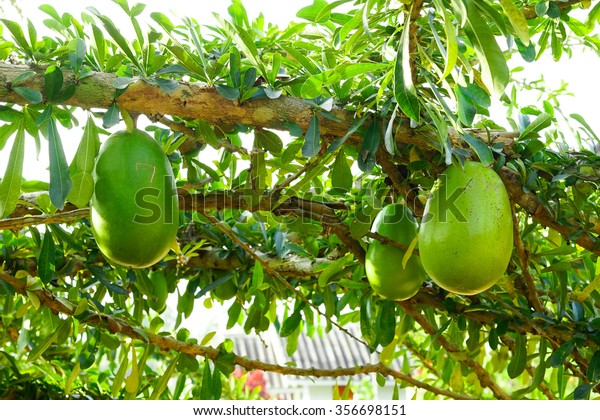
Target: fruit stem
<point>129,122</point>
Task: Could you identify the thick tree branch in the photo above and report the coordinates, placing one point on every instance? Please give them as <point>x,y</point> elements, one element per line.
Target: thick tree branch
<point>118,326</point>
<point>197,101</point>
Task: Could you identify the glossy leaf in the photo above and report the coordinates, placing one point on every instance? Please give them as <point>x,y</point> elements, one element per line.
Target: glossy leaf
<point>312,138</point>
<point>47,259</point>
<point>10,185</point>
<point>517,20</point>
<point>405,91</point>
<point>517,363</point>
<point>341,175</point>
<point>451,41</point>
<point>494,69</point>
<point>60,182</point>
<point>483,151</point>
<point>31,95</point>
<point>368,149</point>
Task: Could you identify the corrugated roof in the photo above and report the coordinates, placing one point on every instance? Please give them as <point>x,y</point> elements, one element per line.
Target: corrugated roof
<point>329,350</point>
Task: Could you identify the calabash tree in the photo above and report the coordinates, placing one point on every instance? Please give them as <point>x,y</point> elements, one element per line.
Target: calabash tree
<point>285,144</point>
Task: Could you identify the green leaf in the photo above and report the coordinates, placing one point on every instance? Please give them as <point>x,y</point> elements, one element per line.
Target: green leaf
<point>116,35</point>
<point>6,131</point>
<point>451,41</point>
<point>405,91</point>
<point>517,20</point>
<point>582,392</point>
<point>269,141</point>
<point>312,138</point>
<point>207,134</point>
<point>368,327</point>
<point>163,381</point>
<point>120,375</point>
<point>593,370</point>
<point>368,149</point>
<point>23,77</point>
<point>330,271</point>
<point>228,92</point>
<point>337,143</point>
<point>466,108</point>
<point>386,322</point>
<point>519,359</point>
<point>60,182</point>
<point>111,116</point>
<point>64,326</point>
<point>313,13</point>
<point>31,95</point>
<point>560,354</point>
<point>19,37</point>
<point>494,69</point>
<point>292,322</point>
<point>88,148</point>
<point>53,82</point>
<point>10,185</point>
<point>341,175</point>
<point>245,43</point>
<point>47,259</point>
<point>483,151</point>
<point>541,122</point>
<point>133,380</point>
<point>83,188</point>
<point>584,123</point>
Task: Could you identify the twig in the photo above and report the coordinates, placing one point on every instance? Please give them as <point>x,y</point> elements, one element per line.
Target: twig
<point>484,377</point>
<point>532,296</point>
<point>275,274</point>
<point>193,137</point>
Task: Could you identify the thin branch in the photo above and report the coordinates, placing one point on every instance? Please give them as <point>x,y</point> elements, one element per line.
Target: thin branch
<point>193,138</point>
<point>484,377</point>
<point>532,205</point>
<point>227,231</point>
<point>530,290</point>
<point>119,326</point>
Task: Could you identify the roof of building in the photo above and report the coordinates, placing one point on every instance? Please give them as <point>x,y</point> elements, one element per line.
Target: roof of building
<point>329,350</point>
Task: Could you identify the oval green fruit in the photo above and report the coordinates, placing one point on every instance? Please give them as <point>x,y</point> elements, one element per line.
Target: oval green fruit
<point>466,236</point>
<point>134,208</point>
<point>383,263</point>
<point>226,290</point>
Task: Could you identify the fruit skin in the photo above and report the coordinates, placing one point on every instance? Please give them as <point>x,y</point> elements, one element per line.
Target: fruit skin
<point>226,290</point>
<point>383,263</point>
<point>134,208</point>
<point>465,244</point>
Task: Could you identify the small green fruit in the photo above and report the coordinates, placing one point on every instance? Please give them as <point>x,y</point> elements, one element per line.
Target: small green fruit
<point>383,264</point>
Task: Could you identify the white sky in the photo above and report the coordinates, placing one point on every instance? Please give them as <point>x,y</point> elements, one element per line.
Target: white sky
<point>580,71</point>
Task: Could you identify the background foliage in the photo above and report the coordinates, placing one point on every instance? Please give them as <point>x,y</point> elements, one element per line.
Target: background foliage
<point>283,158</point>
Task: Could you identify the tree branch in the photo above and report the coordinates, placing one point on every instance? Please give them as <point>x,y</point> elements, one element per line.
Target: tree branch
<point>530,290</point>
<point>484,377</point>
<point>118,326</point>
<point>532,205</point>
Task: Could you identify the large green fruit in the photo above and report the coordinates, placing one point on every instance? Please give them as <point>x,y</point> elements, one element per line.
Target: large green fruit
<point>134,208</point>
<point>466,236</point>
<point>383,263</point>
